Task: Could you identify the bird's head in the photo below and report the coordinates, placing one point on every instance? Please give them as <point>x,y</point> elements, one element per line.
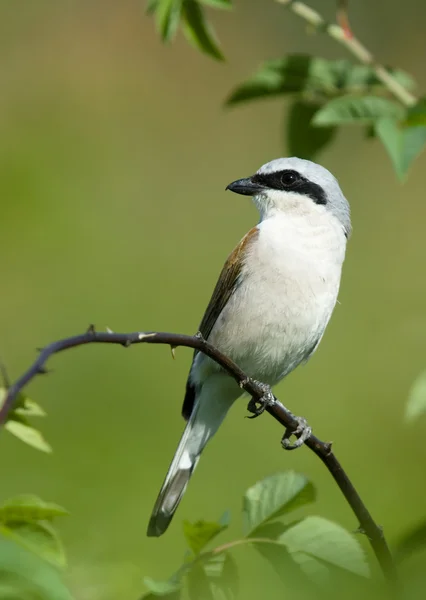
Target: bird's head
<point>295,185</point>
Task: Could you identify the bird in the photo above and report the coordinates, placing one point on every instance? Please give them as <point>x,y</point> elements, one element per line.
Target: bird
<point>270,307</point>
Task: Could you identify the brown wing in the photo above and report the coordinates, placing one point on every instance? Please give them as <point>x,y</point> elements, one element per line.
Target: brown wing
<point>225,287</point>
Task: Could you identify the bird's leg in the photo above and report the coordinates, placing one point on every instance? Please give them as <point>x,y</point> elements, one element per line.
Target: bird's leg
<point>302,432</point>
<point>257,406</point>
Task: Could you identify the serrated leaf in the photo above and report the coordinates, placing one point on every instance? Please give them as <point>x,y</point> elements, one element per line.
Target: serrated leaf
<point>295,73</point>
<point>161,588</point>
<point>303,140</point>
<point>26,433</point>
<point>416,404</point>
<point>416,115</point>
<point>327,542</point>
<point>27,507</point>
<point>222,571</point>
<point>198,583</point>
<point>279,558</point>
<point>199,534</point>
<point>39,537</point>
<point>402,145</point>
<point>357,110</point>
<point>167,15</point>
<point>27,576</point>
<point>273,497</point>
<point>198,31</point>
<point>221,4</point>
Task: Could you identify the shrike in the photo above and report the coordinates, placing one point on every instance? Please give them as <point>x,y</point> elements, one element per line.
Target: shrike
<point>271,304</point>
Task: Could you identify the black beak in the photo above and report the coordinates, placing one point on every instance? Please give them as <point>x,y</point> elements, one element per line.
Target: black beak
<point>246,187</point>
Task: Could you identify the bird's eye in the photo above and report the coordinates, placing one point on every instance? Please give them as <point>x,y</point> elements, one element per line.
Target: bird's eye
<point>289,178</point>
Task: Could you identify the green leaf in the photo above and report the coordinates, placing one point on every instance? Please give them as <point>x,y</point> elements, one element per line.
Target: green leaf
<point>29,408</point>
<point>18,425</point>
<point>39,537</point>
<point>402,145</point>
<point>26,433</point>
<point>151,6</point>
<point>29,508</point>
<point>364,77</point>
<point>416,115</point>
<point>416,404</point>
<point>388,131</point>
<point>198,31</point>
<point>273,530</point>
<point>413,541</point>
<point>199,587</point>
<point>161,588</point>
<point>25,576</point>
<point>311,76</point>
<point>24,406</point>
<point>295,73</point>
<point>168,14</point>
<point>303,140</point>
<point>316,539</point>
<point>199,534</point>
<point>222,571</point>
<point>273,497</point>
<point>356,110</point>
<point>370,132</point>
<point>280,560</point>
<point>220,4</point>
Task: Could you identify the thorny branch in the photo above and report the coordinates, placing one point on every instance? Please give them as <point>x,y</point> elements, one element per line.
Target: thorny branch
<point>254,389</point>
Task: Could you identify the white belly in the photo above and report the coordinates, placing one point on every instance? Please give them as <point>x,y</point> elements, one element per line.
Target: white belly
<point>287,292</point>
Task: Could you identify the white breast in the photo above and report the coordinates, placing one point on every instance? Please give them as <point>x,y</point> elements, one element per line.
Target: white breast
<point>288,289</point>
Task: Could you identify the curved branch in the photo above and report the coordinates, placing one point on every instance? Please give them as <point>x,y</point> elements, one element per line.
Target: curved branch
<point>256,391</point>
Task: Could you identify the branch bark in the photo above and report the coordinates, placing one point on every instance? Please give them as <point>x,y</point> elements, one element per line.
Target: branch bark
<point>281,414</point>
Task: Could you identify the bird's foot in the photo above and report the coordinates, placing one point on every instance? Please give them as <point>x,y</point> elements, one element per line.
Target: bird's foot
<point>302,432</point>
<point>257,406</point>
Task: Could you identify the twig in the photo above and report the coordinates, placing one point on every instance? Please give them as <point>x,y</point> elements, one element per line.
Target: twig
<point>354,46</point>
<point>342,17</point>
<point>277,410</point>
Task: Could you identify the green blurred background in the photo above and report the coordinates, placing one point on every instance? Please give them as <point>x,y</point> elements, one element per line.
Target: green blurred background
<point>115,152</point>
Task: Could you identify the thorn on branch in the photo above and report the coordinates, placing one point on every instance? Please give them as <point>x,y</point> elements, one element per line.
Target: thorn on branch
<point>172,349</point>
<point>43,371</point>
<point>91,329</point>
<point>263,394</point>
<point>108,330</point>
<point>328,447</point>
